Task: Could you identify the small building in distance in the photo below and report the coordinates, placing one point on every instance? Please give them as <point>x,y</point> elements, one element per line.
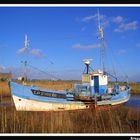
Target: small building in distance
<point>5,76</point>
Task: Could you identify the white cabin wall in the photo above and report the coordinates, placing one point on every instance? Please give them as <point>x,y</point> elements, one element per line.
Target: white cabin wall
<point>91,82</point>
<point>103,80</point>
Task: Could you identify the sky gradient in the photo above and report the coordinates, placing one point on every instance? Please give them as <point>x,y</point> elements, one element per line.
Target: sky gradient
<point>61,37</point>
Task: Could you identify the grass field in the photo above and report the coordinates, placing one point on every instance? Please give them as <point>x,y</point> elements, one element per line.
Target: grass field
<point>135,88</point>
<point>117,120</point>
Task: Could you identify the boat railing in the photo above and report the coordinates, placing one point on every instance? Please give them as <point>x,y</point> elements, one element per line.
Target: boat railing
<point>122,88</point>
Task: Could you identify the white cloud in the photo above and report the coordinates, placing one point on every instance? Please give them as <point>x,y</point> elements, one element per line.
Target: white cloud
<point>22,50</point>
<point>121,22</point>
<point>103,18</point>
<point>118,19</point>
<point>79,46</point>
<point>123,25</point>
<point>83,28</point>
<point>37,52</point>
<point>121,51</point>
<point>2,68</point>
<point>89,18</point>
<point>123,37</point>
<point>127,26</point>
<point>138,45</point>
<point>93,17</point>
<point>105,23</point>
<point>2,46</point>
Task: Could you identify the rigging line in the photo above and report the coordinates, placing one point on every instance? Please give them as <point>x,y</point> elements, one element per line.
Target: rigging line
<point>102,53</point>
<point>51,62</point>
<point>44,72</point>
<point>100,56</point>
<point>29,51</point>
<point>122,70</point>
<point>99,40</point>
<point>84,70</point>
<point>119,64</point>
<point>110,59</point>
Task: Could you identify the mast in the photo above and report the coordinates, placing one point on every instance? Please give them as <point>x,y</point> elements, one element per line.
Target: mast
<point>101,33</point>
<point>25,76</point>
<point>26,42</point>
<point>26,45</point>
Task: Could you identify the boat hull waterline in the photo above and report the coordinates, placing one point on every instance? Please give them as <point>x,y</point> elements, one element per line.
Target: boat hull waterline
<point>25,100</point>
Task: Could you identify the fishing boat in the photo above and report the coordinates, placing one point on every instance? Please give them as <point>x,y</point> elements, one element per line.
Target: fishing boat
<point>93,92</point>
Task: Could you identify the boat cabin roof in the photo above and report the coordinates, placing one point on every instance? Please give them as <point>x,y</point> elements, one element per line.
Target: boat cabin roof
<point>97,72</point>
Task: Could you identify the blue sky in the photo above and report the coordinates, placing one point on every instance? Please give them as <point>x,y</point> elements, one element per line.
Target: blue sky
<point>67,35</point>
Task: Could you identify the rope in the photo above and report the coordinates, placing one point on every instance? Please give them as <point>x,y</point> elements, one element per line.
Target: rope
<point>44,72</point>
<point>117,62</point>
<point>111,60</point>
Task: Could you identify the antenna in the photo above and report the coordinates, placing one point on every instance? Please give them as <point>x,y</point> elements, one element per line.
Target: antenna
<point>26,42</point>
<point>101,33</point>
<point>99,23</point>
<point>87,63</point>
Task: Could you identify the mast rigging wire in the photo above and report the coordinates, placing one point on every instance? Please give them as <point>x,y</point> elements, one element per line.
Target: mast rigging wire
<point>44,72</point>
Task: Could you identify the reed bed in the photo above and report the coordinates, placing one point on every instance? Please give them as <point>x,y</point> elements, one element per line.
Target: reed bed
<point>69,84</point>
<point>50,84</point>
<point>113,120</point>
<point>135,88</point>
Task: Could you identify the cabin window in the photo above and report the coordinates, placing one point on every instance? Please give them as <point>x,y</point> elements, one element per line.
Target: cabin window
<point>92,77</point>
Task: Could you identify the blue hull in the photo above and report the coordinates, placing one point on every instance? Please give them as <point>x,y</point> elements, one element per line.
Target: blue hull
<point>22,92</point>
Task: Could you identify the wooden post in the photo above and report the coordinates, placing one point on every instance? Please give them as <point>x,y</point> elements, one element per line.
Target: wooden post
<point>95,100</point>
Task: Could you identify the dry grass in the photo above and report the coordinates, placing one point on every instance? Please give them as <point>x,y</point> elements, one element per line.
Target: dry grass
<point>117,120</point>
<point>135,88</point>
<point>4,89</point>
<point>55,85</point>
